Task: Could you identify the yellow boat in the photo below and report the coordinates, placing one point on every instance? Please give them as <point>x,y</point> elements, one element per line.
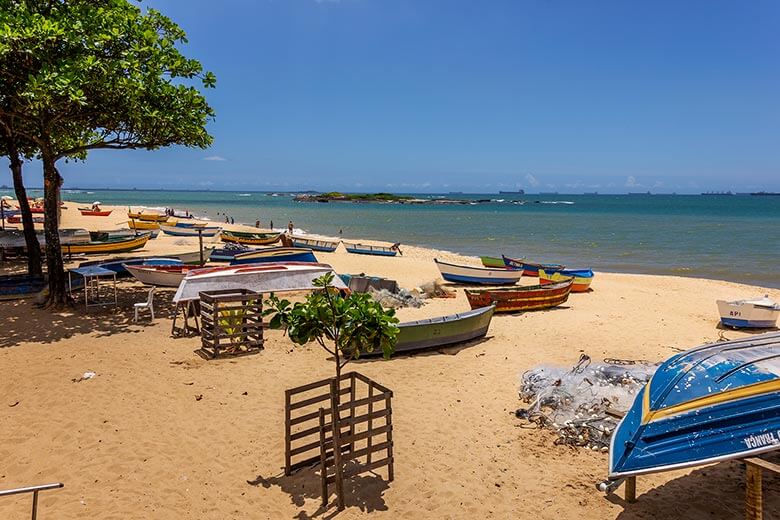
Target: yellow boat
<point>142,224</point>
<point>147,217</point>
<point>112,245</point>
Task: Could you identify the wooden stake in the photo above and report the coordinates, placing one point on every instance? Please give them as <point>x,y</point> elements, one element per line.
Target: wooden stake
<point>631,489</point>
<point>753,497</point>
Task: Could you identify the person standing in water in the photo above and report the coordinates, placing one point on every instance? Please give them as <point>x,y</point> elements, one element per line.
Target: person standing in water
<point>290,227</point>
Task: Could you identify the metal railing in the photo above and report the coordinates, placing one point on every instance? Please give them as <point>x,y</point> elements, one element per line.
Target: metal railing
<point>34,490</point>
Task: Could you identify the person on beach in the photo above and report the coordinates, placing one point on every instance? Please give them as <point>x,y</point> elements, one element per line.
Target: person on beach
<point>272,225</point>
<point>232,220</point>
<point>290,227</point>
<point>227,220</point>
<point>257,224</point>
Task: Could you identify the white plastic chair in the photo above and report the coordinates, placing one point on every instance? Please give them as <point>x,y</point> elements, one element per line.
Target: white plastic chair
<point>148,304</point>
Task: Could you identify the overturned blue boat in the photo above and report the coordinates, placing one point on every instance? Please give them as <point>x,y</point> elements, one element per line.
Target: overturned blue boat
<point>712,403</point>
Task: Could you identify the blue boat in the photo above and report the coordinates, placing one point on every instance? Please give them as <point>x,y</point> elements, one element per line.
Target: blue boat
<point>118,264</point>
<point>712,403</point>
<point>274,254</point>
<point>227,253</point>
<point>478,275</point>
<point>14,286</point>
<point>365,249</point>
<point>326,246</point>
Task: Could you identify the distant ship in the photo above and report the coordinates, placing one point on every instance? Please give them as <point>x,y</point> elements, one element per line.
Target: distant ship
<point>591,193</point>
<point>643,193</point>
<point>719,193</point>
<point>766,194</point>
<point>518,192</point>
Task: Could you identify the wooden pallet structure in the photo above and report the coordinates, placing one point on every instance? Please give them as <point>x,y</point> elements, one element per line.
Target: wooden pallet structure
<point>754,500</point>
<point>358,441</point>
<point>231,323</point>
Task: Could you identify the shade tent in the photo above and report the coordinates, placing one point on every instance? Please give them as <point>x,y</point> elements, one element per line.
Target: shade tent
<point>267,278</point>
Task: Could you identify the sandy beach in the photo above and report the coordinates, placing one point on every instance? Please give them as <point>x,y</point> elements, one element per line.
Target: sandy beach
<point>134,442</point>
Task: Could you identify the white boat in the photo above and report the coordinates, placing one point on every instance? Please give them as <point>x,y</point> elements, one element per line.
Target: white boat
<point>160,275</point>
<point>755,313</point>
<point>478,275</point>
<point>176,231</point>
<point>192,257</point>
<point>264,278</point>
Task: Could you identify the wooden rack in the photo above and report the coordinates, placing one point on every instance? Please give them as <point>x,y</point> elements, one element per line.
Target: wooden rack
<point>231,322</point>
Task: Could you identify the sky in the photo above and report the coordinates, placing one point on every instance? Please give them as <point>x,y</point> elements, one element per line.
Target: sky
<point>454,95</point>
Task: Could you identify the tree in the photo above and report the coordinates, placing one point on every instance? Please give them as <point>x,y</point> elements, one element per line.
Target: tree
<point>353,325</point>
<point>96,74</point>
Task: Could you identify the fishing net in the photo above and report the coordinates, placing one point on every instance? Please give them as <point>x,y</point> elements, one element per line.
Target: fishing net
<point>395,300</point>
<point>582,404</point>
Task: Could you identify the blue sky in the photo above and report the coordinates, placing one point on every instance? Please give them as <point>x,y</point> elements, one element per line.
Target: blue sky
<point>449,95</point>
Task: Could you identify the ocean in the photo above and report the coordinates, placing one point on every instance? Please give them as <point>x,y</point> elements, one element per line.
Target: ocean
<point>735,238</point>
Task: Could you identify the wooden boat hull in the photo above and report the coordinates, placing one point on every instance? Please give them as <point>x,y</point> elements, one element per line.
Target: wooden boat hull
<point>442,331</point>
<point>746,314</point>
<point>274,254</point>
<point>192,257</point>
<point>582,278</point>
<point>119,265</point>
<point>16,287</point>
<point>324,246</point>
<point>143,225</point>
<point>177,231</point>
<point>530,268</point>
<point>17,219</point>
<point>254,239</point>
<point>708,404</point>
<point>363,249</point>
<point>477,275</point>
<point>159,275</point>
<point>90,213</point>
<point>112,246</point>
<point>147,217</point>
<point>521,299</point>
<point>492,261</point>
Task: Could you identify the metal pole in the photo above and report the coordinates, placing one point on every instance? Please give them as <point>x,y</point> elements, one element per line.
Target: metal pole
<point>2,213</point>
<point>200,245</point>
<point>35,505</point>
<point>134,228</point>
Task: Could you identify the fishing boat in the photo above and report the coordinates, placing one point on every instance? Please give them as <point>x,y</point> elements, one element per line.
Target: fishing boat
<point>712,403</point>
<point>325,246</point>
<point>582,278</point>
<point>267,278</point>
<point>255,239</point>
<point>477,275</point>
<point>87,212</point>
<point>441,331</point>
<point>755,313</point>
<point>176,231</point>
<point>73,236</point>
<point>529,268</point>
<point>363,249</point>
<point>143,225</point>
<point>274,254</point>
<point>147,216</point>
<point>105,234</point>
<point>112,245</point>
<point>17,219</point>
<point>159,275</point>
<point>119,265</point>
<point>192,257</point>
<point>227,253</point>
<point>492,261</point>
<point>184,224</point>
<point>15,237</point>
<point>517,299</point>
<point>15,287</point>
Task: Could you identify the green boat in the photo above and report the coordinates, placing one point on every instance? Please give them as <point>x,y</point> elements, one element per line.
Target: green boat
<point>492,261</point>
<point>442,331</point>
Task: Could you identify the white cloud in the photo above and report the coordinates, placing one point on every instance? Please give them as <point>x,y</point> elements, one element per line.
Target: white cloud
<point>631,182</point>
<point>530,179</point>
<point>658,184</point>
<point>214,158</point>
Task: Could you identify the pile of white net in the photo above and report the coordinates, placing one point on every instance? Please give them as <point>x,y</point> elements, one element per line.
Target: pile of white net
<point>583,404</point>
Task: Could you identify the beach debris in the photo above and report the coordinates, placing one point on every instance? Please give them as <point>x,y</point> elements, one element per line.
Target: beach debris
<point>583,404</point>
<point>87,375</point>
<point>198,397</point>
<point>402,298</point>
<point>434,289</point>
<point>12,405</point>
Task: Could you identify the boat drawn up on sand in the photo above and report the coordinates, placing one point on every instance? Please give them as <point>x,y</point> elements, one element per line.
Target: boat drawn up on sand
<point>179,231</point>
<point>250,238</point>
<point>159,275</point>
<point>530,268</point>
<point>441,331</point>
<point>119,265</point>
<point>755,313</point>
<point>326,246</point>
<point>17,219</point>
<point>143,225</point>
<point>365,249</point>
<point>274,254</point>
<point>521,298</point>
<point>582,278</point>
<point>712,403</point>
<point>147,216</point>
<point>477,275</point>
<point>120,244</point>
<point>15,287</point>
<point>266,278</point>
<point>87,212</point>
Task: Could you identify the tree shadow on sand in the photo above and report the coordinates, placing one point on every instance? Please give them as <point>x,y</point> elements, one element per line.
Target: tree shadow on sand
<point>712,492</point>
<point>24,322</point>
<point>361,491</point>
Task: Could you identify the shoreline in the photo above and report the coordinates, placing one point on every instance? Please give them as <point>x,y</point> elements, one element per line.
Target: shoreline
<point>137,441</point>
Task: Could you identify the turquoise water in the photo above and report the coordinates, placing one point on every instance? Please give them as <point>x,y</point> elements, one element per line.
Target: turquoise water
<point>733,238</point>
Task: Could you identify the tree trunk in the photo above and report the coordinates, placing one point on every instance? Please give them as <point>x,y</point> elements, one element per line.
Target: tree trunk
<point>34,266</point>
<point>58,295</point>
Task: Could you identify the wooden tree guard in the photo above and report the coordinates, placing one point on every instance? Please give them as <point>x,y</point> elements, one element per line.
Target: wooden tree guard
<point>754,503</point>
<point>365,431</point>
<point>231,322</point>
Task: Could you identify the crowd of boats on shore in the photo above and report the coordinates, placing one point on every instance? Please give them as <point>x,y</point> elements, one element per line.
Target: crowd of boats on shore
<point>736,383</point>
